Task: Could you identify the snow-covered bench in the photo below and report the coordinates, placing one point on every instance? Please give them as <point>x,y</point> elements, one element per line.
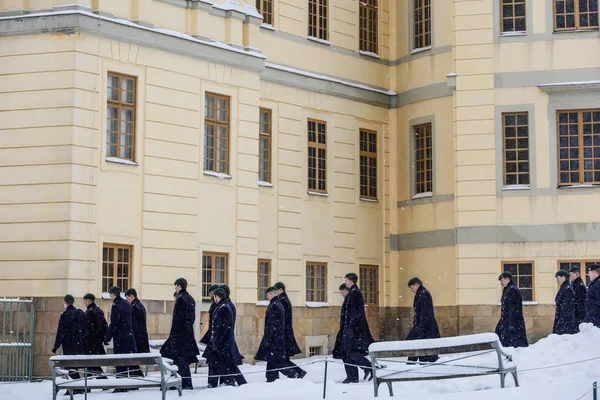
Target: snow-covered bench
<point>486,357</point>
<point>156,344</point>
<point>60,365</point>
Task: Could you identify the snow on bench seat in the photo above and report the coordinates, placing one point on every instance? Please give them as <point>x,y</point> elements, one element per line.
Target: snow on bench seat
<point>428,344</point>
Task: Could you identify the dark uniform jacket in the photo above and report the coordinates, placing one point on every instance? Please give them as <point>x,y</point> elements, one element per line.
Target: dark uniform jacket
<point>95,329</point>
<point>120,329</point>
<point>273,345</point>
<point>356,336</point>
<point>580,294</point>
<point>424,323</point>
<point>70,331</point>
<point>219,348</point>
<point>511,327</point>
<point>564,320</point>
<point>140,329</point>
<point>592,303</point>
<point>206,338</point>
<point>290,340</point>
<point>181,341</point>
<point>338,351</point>
<point>237,356</point>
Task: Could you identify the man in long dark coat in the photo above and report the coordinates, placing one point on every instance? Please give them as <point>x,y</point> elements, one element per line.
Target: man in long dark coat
<point>337,348</point>
<point>219,352</point>
<point>181,345</point>
<point>213,381</point>
<point>564,319</point>
<point>356,336</point>
<point>424,323</point>
<point>273,346</point>
<point>140,328</point>
<point>511,327</point>
<point>580,292</point>
<point>592,301</point>
<point>94,330</point>
<point>237,356</point>
<point>120,331</point>
<point>291,345</point>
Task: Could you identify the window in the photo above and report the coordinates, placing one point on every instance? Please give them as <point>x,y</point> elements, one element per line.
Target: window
<point>422,24</point>
<point>522,276</point>
<point>368,26</point>
<point>369,283</point>
<point>582,264</point>
<point>264,154</point>
<point>120,116</point>
<point>216,133</point>
<point>516,148</point>
<point>368,164</point>
<point>572,15</point>
<point>513,16</point>
<point>116,266</point>
<point>316,282</point>
<point>315,351</point>
<point>423,159</point>
<point>265,8</point>
<point>578,147</point>
<point>317,19</point>
<point>317,156</point>
<point>214,270</point>
<point>264,278</point>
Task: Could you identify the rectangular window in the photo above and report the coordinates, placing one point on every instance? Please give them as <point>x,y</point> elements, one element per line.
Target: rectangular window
<point>522,276</point>
<point>573,15</point>
<point>516,148</point>
<point>264,278</point>
<point>116,266</point>
<point>264,151</point>
<point>422,24</point>
<point>317,156</point>
<point>216,133</point>
<point>582,264</point>
<point>578,147</point>
<point>513,16</point>
<point>317,19</point>
<point>368,26</point>
<point>265,8</point>
<point>316,282</point>
<point>423,159</point>
<point>120,116</point>
<point>369,283</point>
<point>214,270</point>
<point>368,164</point>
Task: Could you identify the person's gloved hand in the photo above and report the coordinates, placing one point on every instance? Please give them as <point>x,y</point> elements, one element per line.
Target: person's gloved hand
<point>54,350</point>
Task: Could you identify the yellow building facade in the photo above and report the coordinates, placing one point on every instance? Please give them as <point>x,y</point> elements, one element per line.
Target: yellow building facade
<point>250,142</point>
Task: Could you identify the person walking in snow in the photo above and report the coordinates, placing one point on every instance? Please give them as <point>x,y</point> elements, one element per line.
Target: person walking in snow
<point>592,301</point>
<point>272,347</point>
<point>237,356</point>
<point>356,336</point>
<point>511,327</point>
<point>337,348</point>
<point>564,320</point>
<point>424,323</point>
<point>140,328</point>
<point>94,330</point>
<point>290,340</point>
<point>580,292</point>
<point>212,380</point>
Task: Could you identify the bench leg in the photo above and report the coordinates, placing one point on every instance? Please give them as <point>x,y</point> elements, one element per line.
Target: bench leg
<point>54,393</point>
<point>164,392</point>
<point>515,378</point>
<point>389,384</point>
<point>502,379</point>
<point>375,388</point>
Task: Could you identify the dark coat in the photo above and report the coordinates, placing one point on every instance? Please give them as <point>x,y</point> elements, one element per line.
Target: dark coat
<point>140,329</point>
<point>290,340</point>
<point>592,303</point>
<point>237,356</point>
<point>273,346</point>
<point>424,323</point>
<point>120,329</point>
<point>206,338</point>
<point>356,336</point>
<point>511,327</point>
<point>70,331</point>
<point>181,342</point>
<point>580,294</point>
<point>338,351</point>
<point>564,320</point>
<point>219,349</point>
<point>95,329</point>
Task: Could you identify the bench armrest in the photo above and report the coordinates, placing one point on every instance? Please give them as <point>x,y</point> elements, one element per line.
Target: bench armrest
<point>169,367</point>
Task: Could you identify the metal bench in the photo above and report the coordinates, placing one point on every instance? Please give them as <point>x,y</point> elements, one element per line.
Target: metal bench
<point>60,366</point>
<point>497,361</point>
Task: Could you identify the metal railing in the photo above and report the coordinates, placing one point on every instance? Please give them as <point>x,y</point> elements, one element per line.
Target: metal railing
<point>16,347</point>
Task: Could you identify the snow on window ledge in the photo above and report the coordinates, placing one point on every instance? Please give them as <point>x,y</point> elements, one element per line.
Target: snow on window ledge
<point>526,303</point>
<point>368,54</point>
<point>420,50</point>
<point>582,186</point>
<point>262,303</point>
<point>422,195</point>
<point>516,187</point>
<point>268,26</point>
<point>317,304</point>
<point>318,194</point>
<point>517,33</point>
<point>316,39</point>
<point>217,174</point>
<point>123,161</point>
<point>265,184</point>
<point>369,200</point>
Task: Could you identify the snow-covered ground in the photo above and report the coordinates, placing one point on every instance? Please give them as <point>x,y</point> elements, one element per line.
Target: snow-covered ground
<point>538,375</point>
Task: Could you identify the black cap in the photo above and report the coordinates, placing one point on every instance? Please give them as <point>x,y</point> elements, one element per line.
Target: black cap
<point>414,280</point>
<point>575,268</point>
<point>89,296</point>
<point>114,290</point>
<point>561,272</point>
<point>271,289</point>
<point>343,286</point>
<point>131,292</point>
<point>69,299</point>
<point>505,274</point>
<point>352,276</point>
<point>212,288</point>
<point>593,267</point>
<point>280,285</point>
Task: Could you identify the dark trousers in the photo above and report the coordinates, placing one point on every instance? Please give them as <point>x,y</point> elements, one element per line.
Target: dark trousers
<point>427,359</point>
<point>355,358</point>
<point>272,372</point>
<point>232,368</point>
<point>297,369</point>
<point>184,371</point>
<point>96,372</point>
<point>213,379</point>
